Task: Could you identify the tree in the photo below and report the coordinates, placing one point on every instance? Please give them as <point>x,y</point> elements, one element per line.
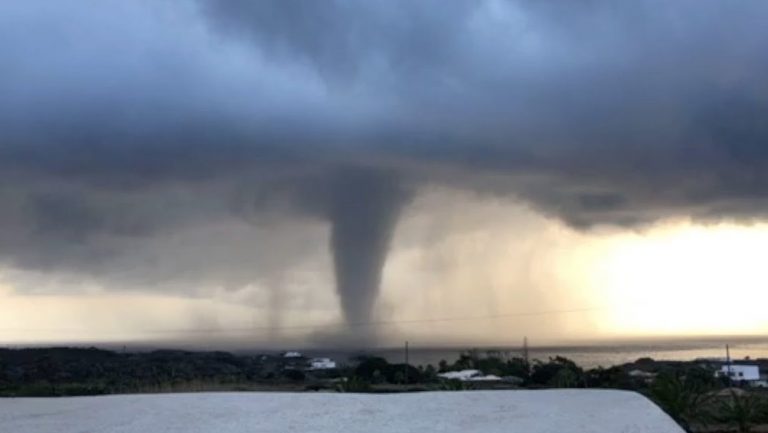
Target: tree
<point>430,373</point>
<point>442,366</point>
<point>565,378</point>
<point>3,374</point>
<point>467,360</point>
<point>377,377</point>
<point>374,369</point>
<point>518,367</point>
<point>294,375</point>
<point>682,398</point>
<point>369,365</point>
<point>558,371</point>
<point>399,377</point>
<point>49,370</point>
<point>613,377</point>
<point>742,409</point>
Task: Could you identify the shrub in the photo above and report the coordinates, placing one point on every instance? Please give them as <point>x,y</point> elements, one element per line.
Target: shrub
<point>743,410</point>
<point>354,384</point>
<point>294,375</point>
<point>685,399</point>
<point>454,385</point>
<point>559,372</point>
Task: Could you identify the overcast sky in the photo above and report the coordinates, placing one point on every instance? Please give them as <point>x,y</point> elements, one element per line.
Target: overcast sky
<point>205,148</point>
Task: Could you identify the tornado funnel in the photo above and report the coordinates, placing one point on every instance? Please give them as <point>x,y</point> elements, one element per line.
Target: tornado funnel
<point>364,210</point>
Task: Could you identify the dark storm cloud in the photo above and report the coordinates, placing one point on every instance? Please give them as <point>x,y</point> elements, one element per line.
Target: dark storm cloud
<point>122,123</point>
<point>621,113</point>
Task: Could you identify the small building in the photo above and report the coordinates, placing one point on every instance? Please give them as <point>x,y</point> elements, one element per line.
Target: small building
<point>469,376</point>
<point>292,355</point>
<point>645,376</point>
<point>642,374</point>
<point>322,364</point>
<point>739,372</point>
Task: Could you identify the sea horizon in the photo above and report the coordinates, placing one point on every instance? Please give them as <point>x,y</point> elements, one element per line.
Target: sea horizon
<point>588,354</point>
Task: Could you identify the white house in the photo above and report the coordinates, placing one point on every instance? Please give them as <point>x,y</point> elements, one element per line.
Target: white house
<point>646,376</point>
<point>292,354</point>
<point>468,376</point>
<point>322,364</point>
<point>740,372</point>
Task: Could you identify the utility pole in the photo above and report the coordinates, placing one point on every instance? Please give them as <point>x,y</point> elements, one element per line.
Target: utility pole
<point>728,363</point>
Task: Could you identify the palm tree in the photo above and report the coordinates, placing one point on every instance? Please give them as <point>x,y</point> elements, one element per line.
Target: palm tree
<point>683,399</point>
<point>742,409</point>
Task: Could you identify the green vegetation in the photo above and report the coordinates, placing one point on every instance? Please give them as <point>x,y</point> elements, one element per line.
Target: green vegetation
<point>682,397</point>
<point>698,402</point>
<point>74,371</point>
<point>558,372</point>
<point>354,384</point>
<point>377,370</point>
<point>687,391</point>
<point>455,385</point>
<point>742,410</point>
<point>489,362</point>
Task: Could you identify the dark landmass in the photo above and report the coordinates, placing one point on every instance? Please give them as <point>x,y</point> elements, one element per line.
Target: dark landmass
<point>687,390</point>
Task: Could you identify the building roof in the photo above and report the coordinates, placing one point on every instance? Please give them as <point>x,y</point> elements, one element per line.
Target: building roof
<point>469,376</point>
<point>572,411</point>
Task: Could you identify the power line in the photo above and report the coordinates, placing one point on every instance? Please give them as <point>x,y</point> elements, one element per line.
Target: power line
<point>327,325</point>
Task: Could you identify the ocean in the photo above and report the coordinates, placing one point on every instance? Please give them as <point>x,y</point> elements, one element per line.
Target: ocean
<point>588,356</point>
